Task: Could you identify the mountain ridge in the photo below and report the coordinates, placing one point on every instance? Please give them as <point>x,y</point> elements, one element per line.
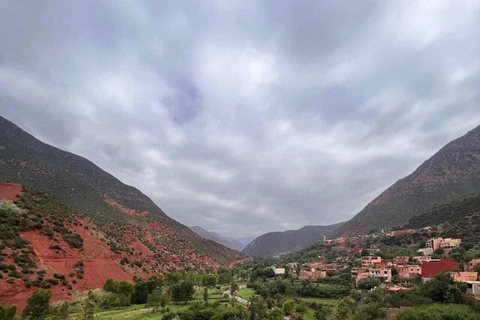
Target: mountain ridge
<point>272,244</point>
<point>210,235</point>
<point>452,171</point>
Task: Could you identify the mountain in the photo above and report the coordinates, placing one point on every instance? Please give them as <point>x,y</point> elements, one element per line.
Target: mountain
<point>210,235</point>
<point>74,218</point>
<point>451,172</point>
<point>457,218</point>
<point>272,244</point>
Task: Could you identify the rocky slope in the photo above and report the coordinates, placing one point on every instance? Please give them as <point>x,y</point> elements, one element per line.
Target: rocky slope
<point>276,243</point>
<point>71,213</point>
<point>210,235</point>
<point>451,172</point>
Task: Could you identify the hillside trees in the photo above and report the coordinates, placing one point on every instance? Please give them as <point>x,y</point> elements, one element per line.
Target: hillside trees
<point>183,291</point>
<point>37,305</point>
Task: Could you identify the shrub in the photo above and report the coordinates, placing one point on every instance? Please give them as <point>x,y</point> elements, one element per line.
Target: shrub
<point>439,312</point>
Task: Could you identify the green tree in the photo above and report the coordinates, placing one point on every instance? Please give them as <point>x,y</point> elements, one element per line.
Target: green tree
<point>7,312</point>
<point>368,283</point>
<point>125,289</point>
<point>320,312</point>
<point>257,309</point>
<point>60,310</point>
<point>443,288</point>
<point>275,314</point>
<point>205,294</point>
<point>233,287</point>
<point>142,289</point>
<point>289,307</point>
<point>110,286</point>
<point>209,280</point>
<point>183,291</point>
<point>37,305</point>
<point>154,300</point>
<point>370,311</point>
<point>85,304</point>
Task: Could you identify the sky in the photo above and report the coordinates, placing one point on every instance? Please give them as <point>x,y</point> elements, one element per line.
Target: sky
<point>245,117</point>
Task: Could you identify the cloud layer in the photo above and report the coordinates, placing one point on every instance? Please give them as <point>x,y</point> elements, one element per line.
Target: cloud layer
<point>245,117</point>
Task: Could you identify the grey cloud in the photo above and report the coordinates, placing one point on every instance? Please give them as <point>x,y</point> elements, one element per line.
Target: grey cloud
<point>242,117</point>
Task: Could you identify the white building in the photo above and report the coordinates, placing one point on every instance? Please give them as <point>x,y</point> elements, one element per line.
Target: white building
<point>278,271</point>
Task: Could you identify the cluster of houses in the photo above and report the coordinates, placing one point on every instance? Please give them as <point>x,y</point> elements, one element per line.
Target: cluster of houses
<point>423,266</point>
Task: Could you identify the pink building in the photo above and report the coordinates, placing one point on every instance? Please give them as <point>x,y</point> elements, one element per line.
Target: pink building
<point>381,265</point>
<point>368,261</point>
<point>312,275</point>
<point>403,260</point>
<point>421,259</point>
<point>385,273</point>
<point>409,271</point>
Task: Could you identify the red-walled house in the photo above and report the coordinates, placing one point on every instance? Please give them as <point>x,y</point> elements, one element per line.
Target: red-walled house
<point>433,268</point>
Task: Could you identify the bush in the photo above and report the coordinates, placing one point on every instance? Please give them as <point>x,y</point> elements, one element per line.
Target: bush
<point>368,283</point>
<point>73,240</point>
<point>439,312</point>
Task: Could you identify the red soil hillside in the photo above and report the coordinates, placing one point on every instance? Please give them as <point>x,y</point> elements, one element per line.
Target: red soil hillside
<point>57,250</point>
<point>9,191</point>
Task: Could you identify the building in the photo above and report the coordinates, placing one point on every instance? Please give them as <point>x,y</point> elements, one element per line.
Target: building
<point>399,232</point>
<point>465,276</point>
<point>432,268</point>
<point>312,275</point>
<point>400,261</point>
<point>292,266</point>
<point>409,271</point>
<point>361,275</point>
<point>368,261</point>
<point>473,287</point>
<point>446,244</point>
<point>383,273</point>
<point>340,240</point>
<point>278,271</point>
<point>472,265</point>
<point>449,244</point>
<point>422,259</point>
<point>312,266</point>
<point>382,265</point>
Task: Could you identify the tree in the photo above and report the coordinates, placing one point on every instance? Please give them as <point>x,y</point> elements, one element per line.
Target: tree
<point>154,300</point>
<point>86,305</point>
<point>110,286</point>
<point>233,287</point>
<point>37,305</point>
<point>320,312</point>
<point>205,294</point>
<point>275,314</point>
<point>60,310</point>
<point>209,280</point>
<point>289,307</point>
<point>125,289</point>
<point>443,288</point>
<point>7,312</point>
<point>257,309</point>
<point>370,311</point>
<point>368,283</point>
<point>142,289</point>
<point>183,291</point>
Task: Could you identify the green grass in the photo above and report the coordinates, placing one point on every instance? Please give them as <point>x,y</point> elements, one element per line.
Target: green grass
<point>246,293</point>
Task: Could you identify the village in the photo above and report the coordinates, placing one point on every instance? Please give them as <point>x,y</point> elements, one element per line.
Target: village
<point>393,275</point>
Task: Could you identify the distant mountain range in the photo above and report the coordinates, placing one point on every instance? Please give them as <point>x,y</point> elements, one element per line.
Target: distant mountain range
<point>273,244</point>
<point>451,172</point>
<point>236,244</point>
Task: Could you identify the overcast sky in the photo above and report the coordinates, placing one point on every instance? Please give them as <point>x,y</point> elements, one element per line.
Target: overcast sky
<point>245,117</point>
